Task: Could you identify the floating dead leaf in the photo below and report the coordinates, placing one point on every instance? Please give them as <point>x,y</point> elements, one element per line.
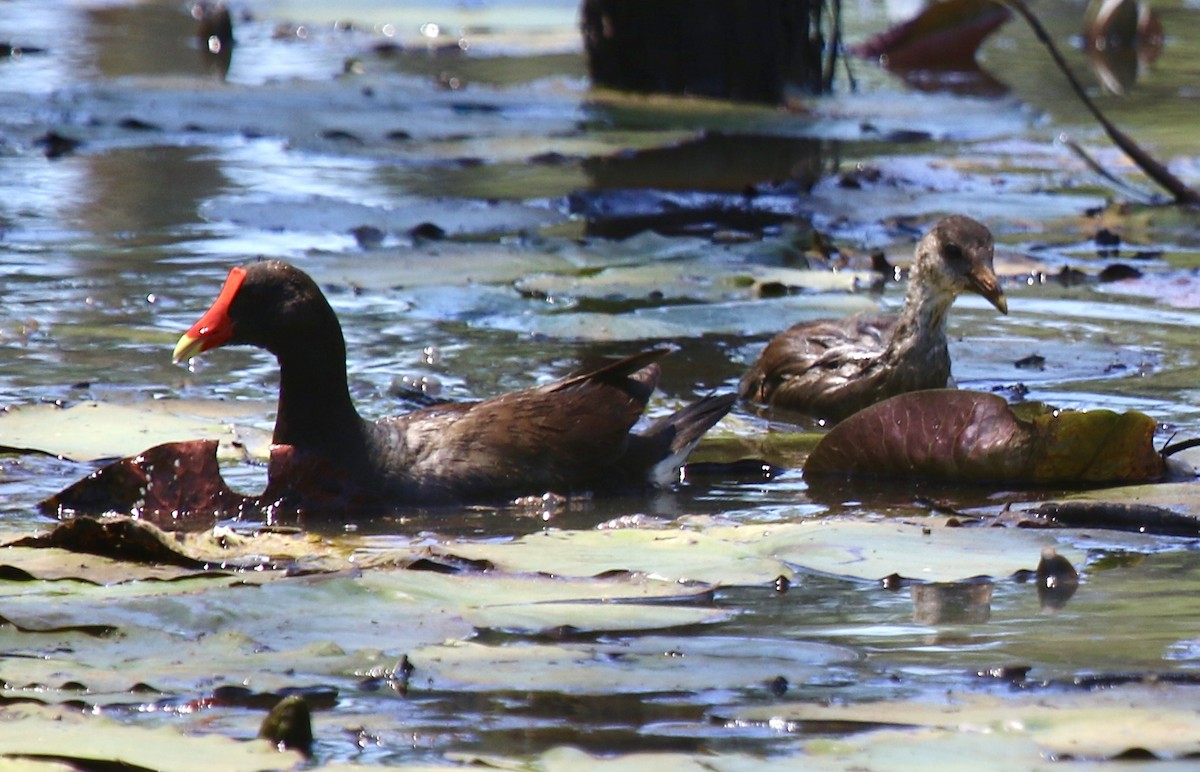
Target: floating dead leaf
<point>1120,516</point>
<point>177,486</point>
<point>966,436</point>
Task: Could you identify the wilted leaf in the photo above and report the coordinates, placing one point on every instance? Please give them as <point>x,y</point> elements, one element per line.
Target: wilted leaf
<point>1139,518</point>
<point>944,36</point>
<point>967,436</point>
<point>177,486</point>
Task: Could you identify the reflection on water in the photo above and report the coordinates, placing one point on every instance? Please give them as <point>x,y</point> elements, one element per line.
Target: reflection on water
<point>146,196</point>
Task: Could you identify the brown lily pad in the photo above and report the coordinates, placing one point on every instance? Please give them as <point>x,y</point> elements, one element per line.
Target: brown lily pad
<point>966,436</point>
<point>176,485</point>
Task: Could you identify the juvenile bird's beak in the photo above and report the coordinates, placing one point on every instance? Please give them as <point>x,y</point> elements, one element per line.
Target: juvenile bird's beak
<point>985,283</point>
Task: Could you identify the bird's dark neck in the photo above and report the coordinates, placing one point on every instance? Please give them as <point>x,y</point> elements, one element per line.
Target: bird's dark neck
<point>315,411</point>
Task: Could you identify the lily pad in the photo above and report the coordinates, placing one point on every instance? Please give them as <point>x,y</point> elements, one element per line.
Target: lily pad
<point>696,279</point>
<point>945,434</point>
<point>642,665</point>
<point>670,554</point>
<point>567,759</point>
<point>90,430</point>
<point>929,551</point>
<point>738,317</point>
<point>746,554</point>
<point>1162,720</point>
<point>82,740</point>
<point>541,604</point>
<point>323,214</point>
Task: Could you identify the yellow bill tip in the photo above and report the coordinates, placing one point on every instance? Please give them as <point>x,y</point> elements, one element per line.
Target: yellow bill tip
<point>186,348</point>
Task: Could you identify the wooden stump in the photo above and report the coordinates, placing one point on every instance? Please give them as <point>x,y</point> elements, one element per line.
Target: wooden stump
<point>746,50</point>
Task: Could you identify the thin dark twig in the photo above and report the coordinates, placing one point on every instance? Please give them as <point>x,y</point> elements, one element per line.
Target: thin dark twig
<point>835,44</point>
<point>1176,447</point>
<point>1153,169</point>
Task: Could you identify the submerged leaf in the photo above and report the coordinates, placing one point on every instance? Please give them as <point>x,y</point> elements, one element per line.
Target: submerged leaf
<point>966,436</point>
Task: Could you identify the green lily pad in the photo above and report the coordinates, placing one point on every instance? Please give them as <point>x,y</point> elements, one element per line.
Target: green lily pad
<point>930,551</point>
<point>89,431</point>
<point>640,665</point>
<point>567,759</point>
<point>757,554</point>
<point>669,554</point>
<point>1164,720</point>
<point>738,317</point>
<point>85,741</point>
<point>323,214</point>
<point>694,279</point>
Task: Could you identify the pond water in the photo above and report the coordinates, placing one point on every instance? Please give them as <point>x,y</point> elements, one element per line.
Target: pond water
<point>478,117</point>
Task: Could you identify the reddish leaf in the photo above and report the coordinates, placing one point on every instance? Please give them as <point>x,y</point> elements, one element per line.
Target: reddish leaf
<point>945,36</point>
<point>966,436</point>
<point>176,485</point>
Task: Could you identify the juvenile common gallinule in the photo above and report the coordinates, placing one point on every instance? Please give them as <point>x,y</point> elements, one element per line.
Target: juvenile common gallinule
<point>832,368</point>
<point>573,435</point>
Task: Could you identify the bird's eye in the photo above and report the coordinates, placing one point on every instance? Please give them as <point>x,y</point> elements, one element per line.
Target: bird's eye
<point>953,252</point>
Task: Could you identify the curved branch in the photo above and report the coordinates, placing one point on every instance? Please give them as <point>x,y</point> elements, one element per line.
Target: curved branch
<point>1153,169</point>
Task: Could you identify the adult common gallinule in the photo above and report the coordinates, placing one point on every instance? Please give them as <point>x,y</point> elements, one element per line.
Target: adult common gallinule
<point>832,368</point>
<point>573,435</point>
